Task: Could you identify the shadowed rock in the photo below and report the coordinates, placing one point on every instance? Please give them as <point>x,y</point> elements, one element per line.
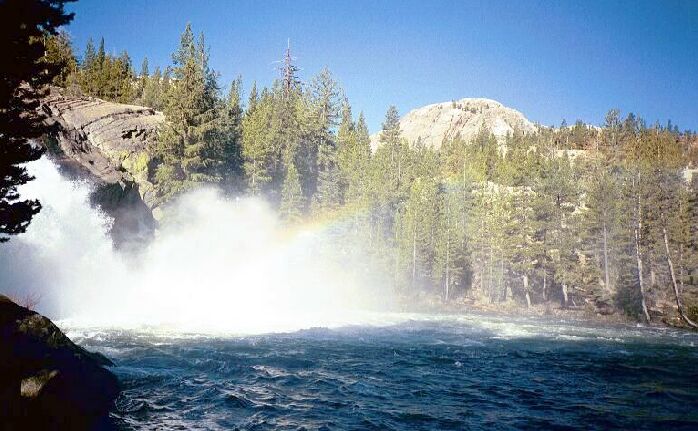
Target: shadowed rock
<point>46,380</point>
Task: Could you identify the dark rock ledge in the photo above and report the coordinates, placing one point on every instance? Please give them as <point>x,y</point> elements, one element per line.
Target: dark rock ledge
<point>47,382</point>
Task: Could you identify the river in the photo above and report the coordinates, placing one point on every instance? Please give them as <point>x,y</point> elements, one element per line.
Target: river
<point>415,372</point>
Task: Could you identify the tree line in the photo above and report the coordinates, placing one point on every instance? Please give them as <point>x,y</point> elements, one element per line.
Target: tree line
<point>601,217</point>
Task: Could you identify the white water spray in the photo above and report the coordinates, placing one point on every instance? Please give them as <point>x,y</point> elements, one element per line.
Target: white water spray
<point>217,265</point>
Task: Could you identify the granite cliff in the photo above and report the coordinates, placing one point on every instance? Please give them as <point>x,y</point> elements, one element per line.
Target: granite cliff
<point>112,143</point>
<point>443,121</point>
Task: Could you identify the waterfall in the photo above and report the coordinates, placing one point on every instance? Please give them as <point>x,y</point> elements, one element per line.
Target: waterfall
<point>216,264</point>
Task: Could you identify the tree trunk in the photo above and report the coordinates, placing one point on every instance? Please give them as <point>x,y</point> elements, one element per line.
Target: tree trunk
<point>605,257</point>
<point>640,278</point>
<point>414,255</point>
<point>397,263</point>
<point>544,267</point>
<point>501,274</point>
<point>677,294</point>
<point>545,284</point>
<point>638,255</point>
<point>525,287</point>
<point>565,298</point>
<point>448,264</point>
<point>490,277</point>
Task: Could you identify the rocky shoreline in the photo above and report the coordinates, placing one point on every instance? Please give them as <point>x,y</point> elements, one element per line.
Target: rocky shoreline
<point>47,381</point>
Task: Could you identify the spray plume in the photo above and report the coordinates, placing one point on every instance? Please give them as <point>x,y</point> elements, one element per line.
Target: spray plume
<point>216,265</point>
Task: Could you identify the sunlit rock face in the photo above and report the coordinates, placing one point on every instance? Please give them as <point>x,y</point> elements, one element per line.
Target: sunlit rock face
<point>113,143</point>
<point>111,140</point>
<point>443,121</point>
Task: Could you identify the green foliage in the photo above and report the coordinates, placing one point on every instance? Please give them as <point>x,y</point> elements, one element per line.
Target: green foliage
<point>325,112</point>
<point>105,76</point>
<point>353,157</point>
<point>35,56</point>
<point>257,146</point>
<point>59,54</point>
<point>190,141</point>
<point>292,200</point>
<point>230,129</point>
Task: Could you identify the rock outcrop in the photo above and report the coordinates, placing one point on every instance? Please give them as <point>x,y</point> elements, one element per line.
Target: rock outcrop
<point>46,381</point>
<point>113,142</point>
<point>443,121</point>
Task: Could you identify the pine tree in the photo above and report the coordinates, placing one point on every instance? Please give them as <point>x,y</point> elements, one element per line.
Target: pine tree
<point>325,101</point>
<point>90,58</point>
<point>154,91</point>
<point>101,82</point>
<point>89,70</point>
<point>108,77</point>
<point>390,183</point>
<point>23,81</point>
<point>253,99</point>
<point>59,55</point>
<point>346,142</point>
<point>188,144</point>
<point>294,142</point>
<point>101,54</point>
<point>555,203</point>
<point>418,231</point>
<point>289,73</point>
<point>231,136</point>
<point>638,167</point>
<point>450,260</point>
<point>361,160</point>
<point>143,78</point>
<point>257,145</point>
<point>292,200</point>
<point>602,222</point>
<point>121,77</point>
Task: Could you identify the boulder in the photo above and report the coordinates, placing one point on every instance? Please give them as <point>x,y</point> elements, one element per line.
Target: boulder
<point>46,381</point>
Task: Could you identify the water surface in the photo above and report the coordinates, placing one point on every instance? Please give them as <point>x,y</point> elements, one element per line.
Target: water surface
<point>425,372</point>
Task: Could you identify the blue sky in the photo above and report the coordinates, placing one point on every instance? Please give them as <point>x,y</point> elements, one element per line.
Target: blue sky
<point>549,59</point>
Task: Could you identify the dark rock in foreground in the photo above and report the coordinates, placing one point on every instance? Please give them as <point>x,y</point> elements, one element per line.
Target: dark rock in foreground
<point>46,380</point>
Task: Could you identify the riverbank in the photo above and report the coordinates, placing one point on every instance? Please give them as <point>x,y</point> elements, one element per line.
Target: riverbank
<point>435,304</point>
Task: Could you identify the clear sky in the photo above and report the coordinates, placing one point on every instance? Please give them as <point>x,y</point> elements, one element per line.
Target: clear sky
<point>549,59</point>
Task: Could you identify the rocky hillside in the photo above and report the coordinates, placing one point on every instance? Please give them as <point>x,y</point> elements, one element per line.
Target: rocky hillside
<point>434,123</point>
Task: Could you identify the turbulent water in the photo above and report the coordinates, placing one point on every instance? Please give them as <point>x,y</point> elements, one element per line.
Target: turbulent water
<point>418,372</point>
